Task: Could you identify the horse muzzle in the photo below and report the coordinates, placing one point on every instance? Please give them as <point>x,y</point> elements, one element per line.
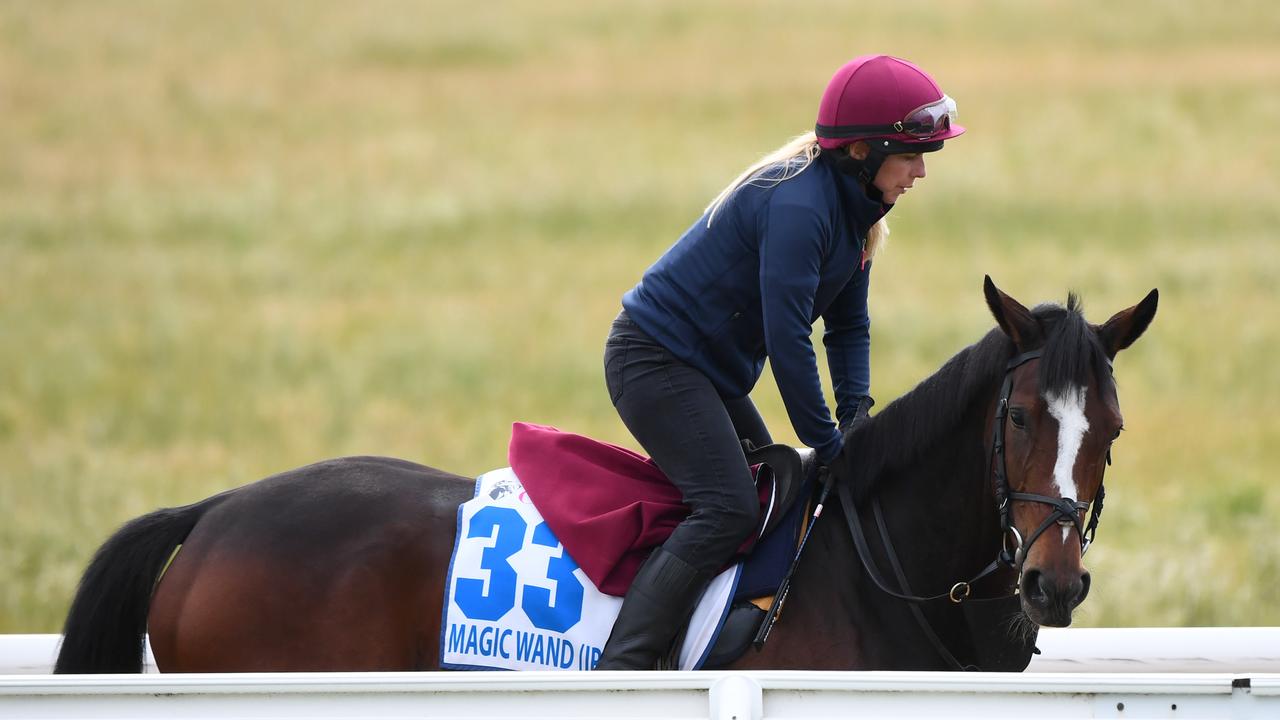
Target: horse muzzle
<point>1049,598</point>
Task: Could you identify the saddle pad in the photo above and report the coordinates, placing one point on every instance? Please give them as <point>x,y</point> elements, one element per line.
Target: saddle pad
<point>515,600</point>
<point>608,505</point>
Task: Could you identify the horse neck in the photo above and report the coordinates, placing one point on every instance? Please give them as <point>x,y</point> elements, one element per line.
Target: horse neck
<point>939,504</point>
<point>930,476</point>
<point>925,454</point>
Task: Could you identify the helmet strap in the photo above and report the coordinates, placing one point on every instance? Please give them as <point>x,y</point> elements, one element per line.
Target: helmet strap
<point>864,170</point>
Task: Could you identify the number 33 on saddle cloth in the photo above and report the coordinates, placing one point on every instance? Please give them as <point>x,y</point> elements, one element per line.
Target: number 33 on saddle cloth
<point>548,545</point>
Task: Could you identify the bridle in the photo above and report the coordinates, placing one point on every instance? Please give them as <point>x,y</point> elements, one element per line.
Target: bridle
<point>1066,512</point>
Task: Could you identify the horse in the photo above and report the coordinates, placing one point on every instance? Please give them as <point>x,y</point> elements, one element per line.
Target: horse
<point>976,483</point>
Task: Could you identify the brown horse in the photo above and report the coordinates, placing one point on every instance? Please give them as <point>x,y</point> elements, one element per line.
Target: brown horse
<point>341,565</point>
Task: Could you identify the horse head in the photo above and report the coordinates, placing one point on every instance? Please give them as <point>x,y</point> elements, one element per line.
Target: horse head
<point>1051,433</point>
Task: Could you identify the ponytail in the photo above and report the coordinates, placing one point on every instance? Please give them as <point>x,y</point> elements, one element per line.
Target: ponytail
<point>781,165</point>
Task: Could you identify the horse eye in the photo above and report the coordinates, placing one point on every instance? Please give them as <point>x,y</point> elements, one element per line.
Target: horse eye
<point>1019,418</point>
<point>1117,435</point>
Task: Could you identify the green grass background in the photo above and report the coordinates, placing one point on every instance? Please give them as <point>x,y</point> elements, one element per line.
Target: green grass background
<point>238,237</point>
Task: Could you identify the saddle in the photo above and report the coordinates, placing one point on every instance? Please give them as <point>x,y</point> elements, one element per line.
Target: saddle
<point>793,472</point>
<point>610,507</point>
<point>787,468</point>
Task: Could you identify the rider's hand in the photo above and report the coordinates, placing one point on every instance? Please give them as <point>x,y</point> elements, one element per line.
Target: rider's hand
<point>861,412</point>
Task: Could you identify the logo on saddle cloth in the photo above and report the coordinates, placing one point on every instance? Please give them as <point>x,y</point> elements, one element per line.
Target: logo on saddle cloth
<point>517,601</point>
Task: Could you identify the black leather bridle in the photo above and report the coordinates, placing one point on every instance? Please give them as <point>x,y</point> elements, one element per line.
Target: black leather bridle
<point>1066,512</point>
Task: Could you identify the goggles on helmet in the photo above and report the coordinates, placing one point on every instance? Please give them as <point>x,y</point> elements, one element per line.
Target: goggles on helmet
<point>922,123</point>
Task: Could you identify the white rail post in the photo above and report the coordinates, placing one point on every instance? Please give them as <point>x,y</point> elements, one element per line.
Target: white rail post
<point>737,697</point>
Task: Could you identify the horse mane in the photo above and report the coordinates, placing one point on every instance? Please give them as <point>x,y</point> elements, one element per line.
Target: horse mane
<point>926,416</point>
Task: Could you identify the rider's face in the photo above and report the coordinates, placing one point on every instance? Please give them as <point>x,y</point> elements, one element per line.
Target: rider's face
<point>898,173</point>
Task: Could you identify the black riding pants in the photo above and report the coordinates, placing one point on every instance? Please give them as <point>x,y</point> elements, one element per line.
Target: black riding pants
<point>694,435</point>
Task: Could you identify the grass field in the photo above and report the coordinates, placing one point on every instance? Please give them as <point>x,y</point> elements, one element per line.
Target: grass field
<point>239,237</point>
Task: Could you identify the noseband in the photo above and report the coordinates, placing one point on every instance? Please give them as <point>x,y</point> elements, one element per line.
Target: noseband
<point>1065,512</point>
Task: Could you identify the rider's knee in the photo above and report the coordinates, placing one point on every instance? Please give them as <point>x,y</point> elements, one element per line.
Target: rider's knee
<point>741,514</point>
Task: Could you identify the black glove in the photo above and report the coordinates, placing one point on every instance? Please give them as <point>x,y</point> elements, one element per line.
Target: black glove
<point>861,411</point>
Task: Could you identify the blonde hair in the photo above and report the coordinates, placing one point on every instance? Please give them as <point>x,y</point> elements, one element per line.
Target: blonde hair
<point>781,165</point>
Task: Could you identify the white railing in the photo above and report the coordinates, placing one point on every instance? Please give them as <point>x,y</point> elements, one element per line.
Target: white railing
<point>1120,673</point>
<point>1141,650</point>
<point>618,696</point>
<point>1158,650</point>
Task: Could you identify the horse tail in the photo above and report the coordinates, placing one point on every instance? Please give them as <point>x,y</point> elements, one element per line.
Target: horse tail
<point>106,627</point>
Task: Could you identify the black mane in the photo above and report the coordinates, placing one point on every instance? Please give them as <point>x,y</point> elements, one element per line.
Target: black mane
<point>916,423</point>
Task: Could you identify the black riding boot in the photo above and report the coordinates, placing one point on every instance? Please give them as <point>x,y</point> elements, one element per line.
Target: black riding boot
<point>659,601</point>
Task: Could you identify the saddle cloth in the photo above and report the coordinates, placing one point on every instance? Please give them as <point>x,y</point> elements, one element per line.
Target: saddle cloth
<point>608,505</point>
<point>515,600</point>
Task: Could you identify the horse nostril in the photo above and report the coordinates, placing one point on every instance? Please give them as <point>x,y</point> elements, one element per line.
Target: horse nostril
<point>1046,586</point>
<point>1033,587</point>
<point>1084,587</point>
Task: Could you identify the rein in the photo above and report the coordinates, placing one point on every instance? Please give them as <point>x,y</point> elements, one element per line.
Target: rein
<point>1066,512</point>
<point>958,593</point>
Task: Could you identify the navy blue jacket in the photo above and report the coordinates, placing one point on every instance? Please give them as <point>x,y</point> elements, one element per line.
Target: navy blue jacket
<point>751,285</point>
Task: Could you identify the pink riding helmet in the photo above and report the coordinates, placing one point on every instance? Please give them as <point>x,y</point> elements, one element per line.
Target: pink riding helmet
<point>878,96</point>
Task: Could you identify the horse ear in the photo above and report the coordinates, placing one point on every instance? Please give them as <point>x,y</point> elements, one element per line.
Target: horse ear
<point>1013,317</point>
<point>1128,325</point>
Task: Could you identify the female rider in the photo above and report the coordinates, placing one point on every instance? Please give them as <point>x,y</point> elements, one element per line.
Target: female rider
<point>789,241</point>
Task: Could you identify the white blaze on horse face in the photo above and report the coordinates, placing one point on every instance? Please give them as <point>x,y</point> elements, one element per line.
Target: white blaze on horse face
<point>1068,410</point>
